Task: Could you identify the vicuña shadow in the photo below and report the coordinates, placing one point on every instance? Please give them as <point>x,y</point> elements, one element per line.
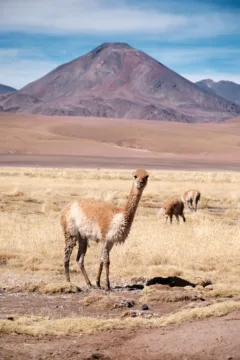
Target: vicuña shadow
<point>171,281</point>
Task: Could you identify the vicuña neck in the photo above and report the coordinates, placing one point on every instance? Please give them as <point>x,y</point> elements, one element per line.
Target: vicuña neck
<point>132,204</point>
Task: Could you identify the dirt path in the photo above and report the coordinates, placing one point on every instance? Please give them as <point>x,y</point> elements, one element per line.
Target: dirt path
<point>215,338</point>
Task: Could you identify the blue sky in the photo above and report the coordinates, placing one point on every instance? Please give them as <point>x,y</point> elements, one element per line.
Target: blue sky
<point>197,39</point>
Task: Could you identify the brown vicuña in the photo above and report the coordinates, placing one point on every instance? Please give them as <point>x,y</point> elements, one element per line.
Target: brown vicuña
<point>173,207</point>
<point>89,219</point>
<point>191,198</point>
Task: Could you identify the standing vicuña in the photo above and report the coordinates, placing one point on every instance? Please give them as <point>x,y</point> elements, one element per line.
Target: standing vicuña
<point>173,207</point>
<point>88,219</point>
<point>191,197</point>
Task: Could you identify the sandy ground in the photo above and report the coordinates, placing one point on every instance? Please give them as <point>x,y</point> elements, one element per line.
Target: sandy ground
<point>208,339</point>
<point>31,140</point>
<point>158,163</point>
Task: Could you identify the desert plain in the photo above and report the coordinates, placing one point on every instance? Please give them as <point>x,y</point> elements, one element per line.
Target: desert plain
<point>187,274</point>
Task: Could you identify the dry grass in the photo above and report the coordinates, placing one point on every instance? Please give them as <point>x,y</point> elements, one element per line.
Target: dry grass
<point>108,301</point>
<point>205,248</point>
<point>221,290</point>
<point>45,288</point>
<point>40,326</point>
<point>31,240</point>
<point>160,293</point>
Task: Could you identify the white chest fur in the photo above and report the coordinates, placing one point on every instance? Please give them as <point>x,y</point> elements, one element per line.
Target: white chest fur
<point>117,231</point>
<point>86,227</point>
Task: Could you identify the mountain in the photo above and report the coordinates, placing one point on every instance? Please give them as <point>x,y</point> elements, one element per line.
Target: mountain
<point>226,89</point>
<point>116,80</point>
<point>6,89</point>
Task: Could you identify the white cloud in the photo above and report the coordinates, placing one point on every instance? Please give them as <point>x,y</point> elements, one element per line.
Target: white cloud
<point>8,53</point>
<point>96,16</point>
<point>198,59</point>
<point>181,59</point>
<point>184,56</point>
<point>208,25</point>
<point>17,72</point>
<point>65,16</point>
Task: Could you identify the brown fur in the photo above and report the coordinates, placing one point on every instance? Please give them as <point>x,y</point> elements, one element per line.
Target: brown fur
<point>89,219</point>
<point>98,211</point>
<point>191,198</point>
<point>173,207</point>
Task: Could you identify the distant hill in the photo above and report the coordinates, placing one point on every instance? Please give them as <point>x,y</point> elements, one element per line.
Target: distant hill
<point>226,89</point>
<point>6,89</point>
<point>116,80</point>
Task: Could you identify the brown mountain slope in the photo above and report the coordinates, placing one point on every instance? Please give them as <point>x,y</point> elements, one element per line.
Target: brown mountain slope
<point>115,80</point>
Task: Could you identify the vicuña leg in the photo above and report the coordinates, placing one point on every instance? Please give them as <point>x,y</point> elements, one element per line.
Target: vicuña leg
<point>82,248</point>
<point>99,274</point>
<point>106,261</point>
<point>190,205</point>
<point>177,217</point>
<point>70,243</point>
<point>182,215</point>
<point>196,202</point>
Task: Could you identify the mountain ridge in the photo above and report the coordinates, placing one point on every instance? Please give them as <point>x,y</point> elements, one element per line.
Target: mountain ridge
<point>228,90</point>
<point>6,89</point>
<point>116,80</point>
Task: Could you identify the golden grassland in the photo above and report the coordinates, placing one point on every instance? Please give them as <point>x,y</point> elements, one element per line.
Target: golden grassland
<point>205,248</point>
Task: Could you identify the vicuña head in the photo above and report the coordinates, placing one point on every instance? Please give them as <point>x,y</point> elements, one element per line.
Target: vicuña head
<point>89,219</point>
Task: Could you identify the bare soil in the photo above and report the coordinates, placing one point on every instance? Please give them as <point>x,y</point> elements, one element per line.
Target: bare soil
<point>55,141</point>
<point>213,338</point>
<point>82,304</point>
<point>89,162</point>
